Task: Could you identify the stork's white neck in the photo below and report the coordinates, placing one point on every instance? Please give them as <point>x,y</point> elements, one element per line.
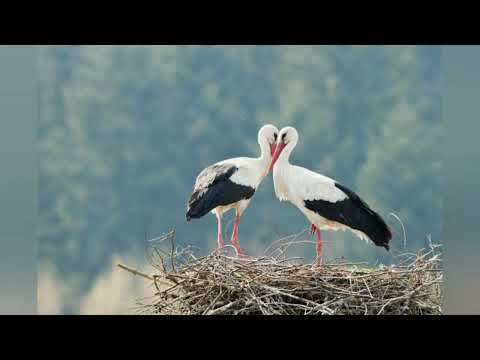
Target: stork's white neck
<point>284,158</point>
<point>265,155</point>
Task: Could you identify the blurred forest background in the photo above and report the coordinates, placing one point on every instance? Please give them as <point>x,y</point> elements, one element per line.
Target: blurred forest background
<point>125,130</point>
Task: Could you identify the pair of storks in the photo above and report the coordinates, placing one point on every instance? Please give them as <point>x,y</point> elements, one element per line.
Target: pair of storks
<point>328,205</point>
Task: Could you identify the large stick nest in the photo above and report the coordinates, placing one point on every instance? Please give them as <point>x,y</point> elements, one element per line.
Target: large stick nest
<point>275,285</point>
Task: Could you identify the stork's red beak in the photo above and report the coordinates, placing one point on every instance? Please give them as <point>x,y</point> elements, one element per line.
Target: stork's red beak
<point>272,148</point>
<point>276,154</point>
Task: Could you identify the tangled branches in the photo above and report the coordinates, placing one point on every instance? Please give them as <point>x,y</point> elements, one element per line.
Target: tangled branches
<point>223,285</point>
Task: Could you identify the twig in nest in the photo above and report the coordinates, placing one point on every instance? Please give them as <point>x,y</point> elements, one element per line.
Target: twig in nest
<point>403,229</point>
<point>136,272</point>
<point>172,238</point>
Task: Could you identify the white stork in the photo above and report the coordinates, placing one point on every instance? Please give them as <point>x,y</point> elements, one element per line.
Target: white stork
<point>230,184</point>
<point>327,204</point>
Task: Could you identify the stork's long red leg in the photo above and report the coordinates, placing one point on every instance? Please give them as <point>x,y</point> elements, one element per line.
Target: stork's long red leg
<point>220,242</point>
<point>235,241</point>
<point>319,245</point>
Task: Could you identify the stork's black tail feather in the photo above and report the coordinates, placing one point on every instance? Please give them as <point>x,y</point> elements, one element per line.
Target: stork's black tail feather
<point>371,224</point>
<point>377,230</point>
<point>354,213</point>
<point>363,218</point>
<point>199,206</point>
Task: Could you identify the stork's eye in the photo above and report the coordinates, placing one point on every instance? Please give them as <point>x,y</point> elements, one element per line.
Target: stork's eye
<point>284,135</point>
<point>275,136</point>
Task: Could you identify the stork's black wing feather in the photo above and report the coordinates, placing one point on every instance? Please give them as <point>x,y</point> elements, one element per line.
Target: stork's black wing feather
<point>213,188</point>
<point>354,213</point>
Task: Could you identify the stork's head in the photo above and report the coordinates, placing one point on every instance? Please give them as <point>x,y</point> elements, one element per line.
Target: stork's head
<point>288,136</point>
<point>267,135</point>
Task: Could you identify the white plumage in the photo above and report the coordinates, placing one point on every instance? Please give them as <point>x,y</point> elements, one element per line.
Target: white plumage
<point>307,184</point>
<point>250,171</point>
